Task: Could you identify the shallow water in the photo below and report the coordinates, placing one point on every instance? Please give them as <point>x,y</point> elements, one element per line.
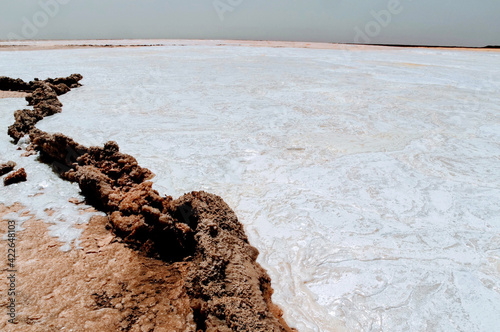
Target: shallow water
<point>369,180</point>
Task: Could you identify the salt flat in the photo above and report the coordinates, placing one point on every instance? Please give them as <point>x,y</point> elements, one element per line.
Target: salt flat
<point>368,178</point>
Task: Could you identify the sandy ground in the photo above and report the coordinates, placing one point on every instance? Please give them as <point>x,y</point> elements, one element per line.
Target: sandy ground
<point>104,286</point>
<point>31,45</point>
<point>12,94</point>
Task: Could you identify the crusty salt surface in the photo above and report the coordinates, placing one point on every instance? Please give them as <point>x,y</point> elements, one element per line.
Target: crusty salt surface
<point>369,179</point>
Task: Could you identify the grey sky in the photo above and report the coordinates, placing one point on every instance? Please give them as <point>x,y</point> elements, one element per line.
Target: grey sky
<point>422,22</point>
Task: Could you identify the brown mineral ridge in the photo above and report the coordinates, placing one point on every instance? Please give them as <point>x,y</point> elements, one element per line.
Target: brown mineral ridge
<point>104,286</point>
<point>226,288</point>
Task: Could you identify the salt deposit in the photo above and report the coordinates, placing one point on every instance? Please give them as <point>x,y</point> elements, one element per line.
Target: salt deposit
<point>368,179</point>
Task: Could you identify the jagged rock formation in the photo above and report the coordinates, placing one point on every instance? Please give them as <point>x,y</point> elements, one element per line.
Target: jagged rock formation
<point>229,290</point>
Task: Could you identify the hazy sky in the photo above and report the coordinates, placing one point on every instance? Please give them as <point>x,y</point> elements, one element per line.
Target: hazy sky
<point>422,22</point>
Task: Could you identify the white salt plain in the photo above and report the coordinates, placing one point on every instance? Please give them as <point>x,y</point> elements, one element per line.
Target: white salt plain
<point>369,179</point>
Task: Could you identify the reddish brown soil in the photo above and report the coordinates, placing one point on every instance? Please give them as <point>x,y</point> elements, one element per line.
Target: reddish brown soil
<point>104,286</point>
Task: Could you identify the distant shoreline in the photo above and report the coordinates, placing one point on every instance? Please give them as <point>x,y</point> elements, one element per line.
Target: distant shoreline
<point>30,45</point>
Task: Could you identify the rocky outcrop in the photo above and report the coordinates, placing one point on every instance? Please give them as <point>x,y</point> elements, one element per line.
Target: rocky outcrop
<point>229,290</point>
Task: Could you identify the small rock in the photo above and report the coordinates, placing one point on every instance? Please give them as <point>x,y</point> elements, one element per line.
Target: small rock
<point>28,153</point>
<point>75,200</point>
<point>7,167</point>
<point>105,241</point>
<point>17,176</point>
